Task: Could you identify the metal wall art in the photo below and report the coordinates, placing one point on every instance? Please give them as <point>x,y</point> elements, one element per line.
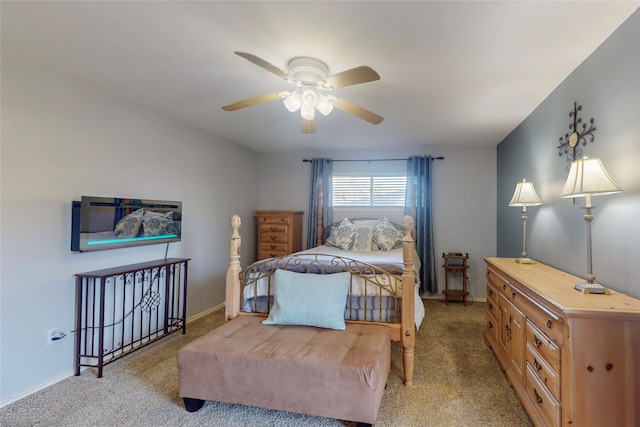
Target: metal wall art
<point>570,143</point>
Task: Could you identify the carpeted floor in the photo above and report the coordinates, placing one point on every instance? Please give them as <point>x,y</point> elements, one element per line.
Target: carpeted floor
<point>457,382</point>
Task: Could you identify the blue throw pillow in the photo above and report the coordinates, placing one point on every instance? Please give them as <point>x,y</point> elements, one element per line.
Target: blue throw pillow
<point>309,299</point>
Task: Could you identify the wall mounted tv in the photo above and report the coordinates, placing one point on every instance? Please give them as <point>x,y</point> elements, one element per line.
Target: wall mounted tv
<point>100,223</point>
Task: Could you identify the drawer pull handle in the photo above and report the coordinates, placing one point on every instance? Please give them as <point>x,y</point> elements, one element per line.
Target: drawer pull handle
<point>537,341</point>
<point>273,229</point>
<point>273,237</point>
<point>490,306</point>
<point>490,325</point>
<point>537,365</point>
<point>549,324</point>
<point>538,398</point>
<point>513,295</point>
<point>274,246</point>
<point>504,286</point>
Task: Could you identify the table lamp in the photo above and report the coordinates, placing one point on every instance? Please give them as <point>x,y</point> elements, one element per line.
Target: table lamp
<point>587,177</point>
<point>525,195</point>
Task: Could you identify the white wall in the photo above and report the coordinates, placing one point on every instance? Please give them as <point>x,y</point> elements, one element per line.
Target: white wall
<point>62,139</point>
<point>464,197</point>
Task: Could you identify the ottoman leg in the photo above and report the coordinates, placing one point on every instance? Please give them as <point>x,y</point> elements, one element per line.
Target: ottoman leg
<point>192,405</point>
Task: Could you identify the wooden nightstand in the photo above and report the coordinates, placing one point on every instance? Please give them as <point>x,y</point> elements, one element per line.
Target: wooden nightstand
<point>279,233</point>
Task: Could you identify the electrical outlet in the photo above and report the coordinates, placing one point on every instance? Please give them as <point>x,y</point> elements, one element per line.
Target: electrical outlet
<point>54,335</point>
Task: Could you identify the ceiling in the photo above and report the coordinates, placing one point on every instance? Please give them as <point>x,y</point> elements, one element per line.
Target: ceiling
<point>452,72</point>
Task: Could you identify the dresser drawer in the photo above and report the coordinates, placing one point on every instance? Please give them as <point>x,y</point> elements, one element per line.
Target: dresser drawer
<point>551,323</point>
<point>492,293</point>
<point>274,228</point>
<point>493,327</point>
<point>548,376</point>
<point>498,282</point>
<point>272,254</point>
<point>275,246</point>
<point>274,218</point>
<point>544,404</point>
<point>492,307</point>
<point>269,237</point>
<point>549,351</point>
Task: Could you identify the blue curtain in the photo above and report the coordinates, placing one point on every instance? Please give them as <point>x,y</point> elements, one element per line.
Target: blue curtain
<point>418,204</point>
<point>321,175</point>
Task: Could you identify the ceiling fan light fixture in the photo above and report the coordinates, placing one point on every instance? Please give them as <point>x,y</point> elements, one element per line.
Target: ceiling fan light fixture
<point>293,102</point>
<point>307,112</point>
<point>309,98</point>
<point>325,104</point>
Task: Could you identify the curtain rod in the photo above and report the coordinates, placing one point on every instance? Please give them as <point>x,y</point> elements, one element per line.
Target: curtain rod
<point>372,160</point>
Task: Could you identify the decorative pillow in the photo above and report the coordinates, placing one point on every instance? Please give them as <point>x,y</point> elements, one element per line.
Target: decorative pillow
<point>342,235</point>
<point>129,226</point>
<point>158,224</point>
<point>363,239</point>
<point>309,299</point>
<point>387,236</point>
<point>367,223</point>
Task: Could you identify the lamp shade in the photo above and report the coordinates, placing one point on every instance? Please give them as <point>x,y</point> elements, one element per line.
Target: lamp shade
<point>525,195</point>
<point>588,177</point>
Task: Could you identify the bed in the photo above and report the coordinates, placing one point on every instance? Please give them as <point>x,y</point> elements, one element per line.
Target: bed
<point>342,364</point>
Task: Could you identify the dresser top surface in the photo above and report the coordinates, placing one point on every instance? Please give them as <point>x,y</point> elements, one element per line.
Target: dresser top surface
<point>557,288</point>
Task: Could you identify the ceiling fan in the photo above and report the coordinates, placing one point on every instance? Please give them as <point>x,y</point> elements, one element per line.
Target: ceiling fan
<point>312,78</point>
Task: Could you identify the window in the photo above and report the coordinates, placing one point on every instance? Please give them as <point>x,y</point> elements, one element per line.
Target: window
<point>371,191</point>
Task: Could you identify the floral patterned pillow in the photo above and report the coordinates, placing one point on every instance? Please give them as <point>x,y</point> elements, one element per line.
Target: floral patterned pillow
<point>129,226</point>
<point>387,236</point>
<point>158,224</point>
<point>342,235</point>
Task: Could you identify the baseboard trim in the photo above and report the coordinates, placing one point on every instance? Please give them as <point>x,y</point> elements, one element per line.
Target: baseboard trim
<point>57,379</point>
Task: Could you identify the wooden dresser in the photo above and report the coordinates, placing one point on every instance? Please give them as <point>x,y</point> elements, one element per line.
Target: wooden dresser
<point>573,359</point>
<point>279,233</point>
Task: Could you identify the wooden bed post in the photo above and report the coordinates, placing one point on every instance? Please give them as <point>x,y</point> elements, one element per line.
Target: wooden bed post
<point>319,226</point>
<point>232,302</point>
<point>408,334</point>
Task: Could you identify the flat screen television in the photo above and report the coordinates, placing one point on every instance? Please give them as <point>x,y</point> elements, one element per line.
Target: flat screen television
<point>100,223</point>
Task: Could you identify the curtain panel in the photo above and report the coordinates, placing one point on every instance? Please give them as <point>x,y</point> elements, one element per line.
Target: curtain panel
<point>321,176</point>
<point>418,204</point>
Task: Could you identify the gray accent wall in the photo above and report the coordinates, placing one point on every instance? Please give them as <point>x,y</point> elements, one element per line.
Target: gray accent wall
<point>607,85</point>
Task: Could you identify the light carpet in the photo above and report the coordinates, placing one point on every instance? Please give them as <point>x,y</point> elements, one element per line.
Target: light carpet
<point>457,382</point>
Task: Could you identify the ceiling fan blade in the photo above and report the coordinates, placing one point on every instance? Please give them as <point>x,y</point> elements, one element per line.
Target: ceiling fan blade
<point>308,126</point>
<point>354,76</point>
<point>357,111</point>
<point>252,101</point>
<point>267,66</point>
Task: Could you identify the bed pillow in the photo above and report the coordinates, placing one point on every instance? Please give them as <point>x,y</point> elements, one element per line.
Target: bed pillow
<point>158,224</point>
<point>129,226</point>
<point>367,223</point>
<point>309,299</point>
<point>363,239</point>
<point>342,235</point>
<point>387,236</point>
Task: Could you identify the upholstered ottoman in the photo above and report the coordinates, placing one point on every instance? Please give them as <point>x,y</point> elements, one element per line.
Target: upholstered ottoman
<point>309,370</point>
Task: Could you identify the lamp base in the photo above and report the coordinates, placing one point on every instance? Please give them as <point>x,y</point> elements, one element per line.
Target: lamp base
<point>523,260</point>
<point>592,288</point>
